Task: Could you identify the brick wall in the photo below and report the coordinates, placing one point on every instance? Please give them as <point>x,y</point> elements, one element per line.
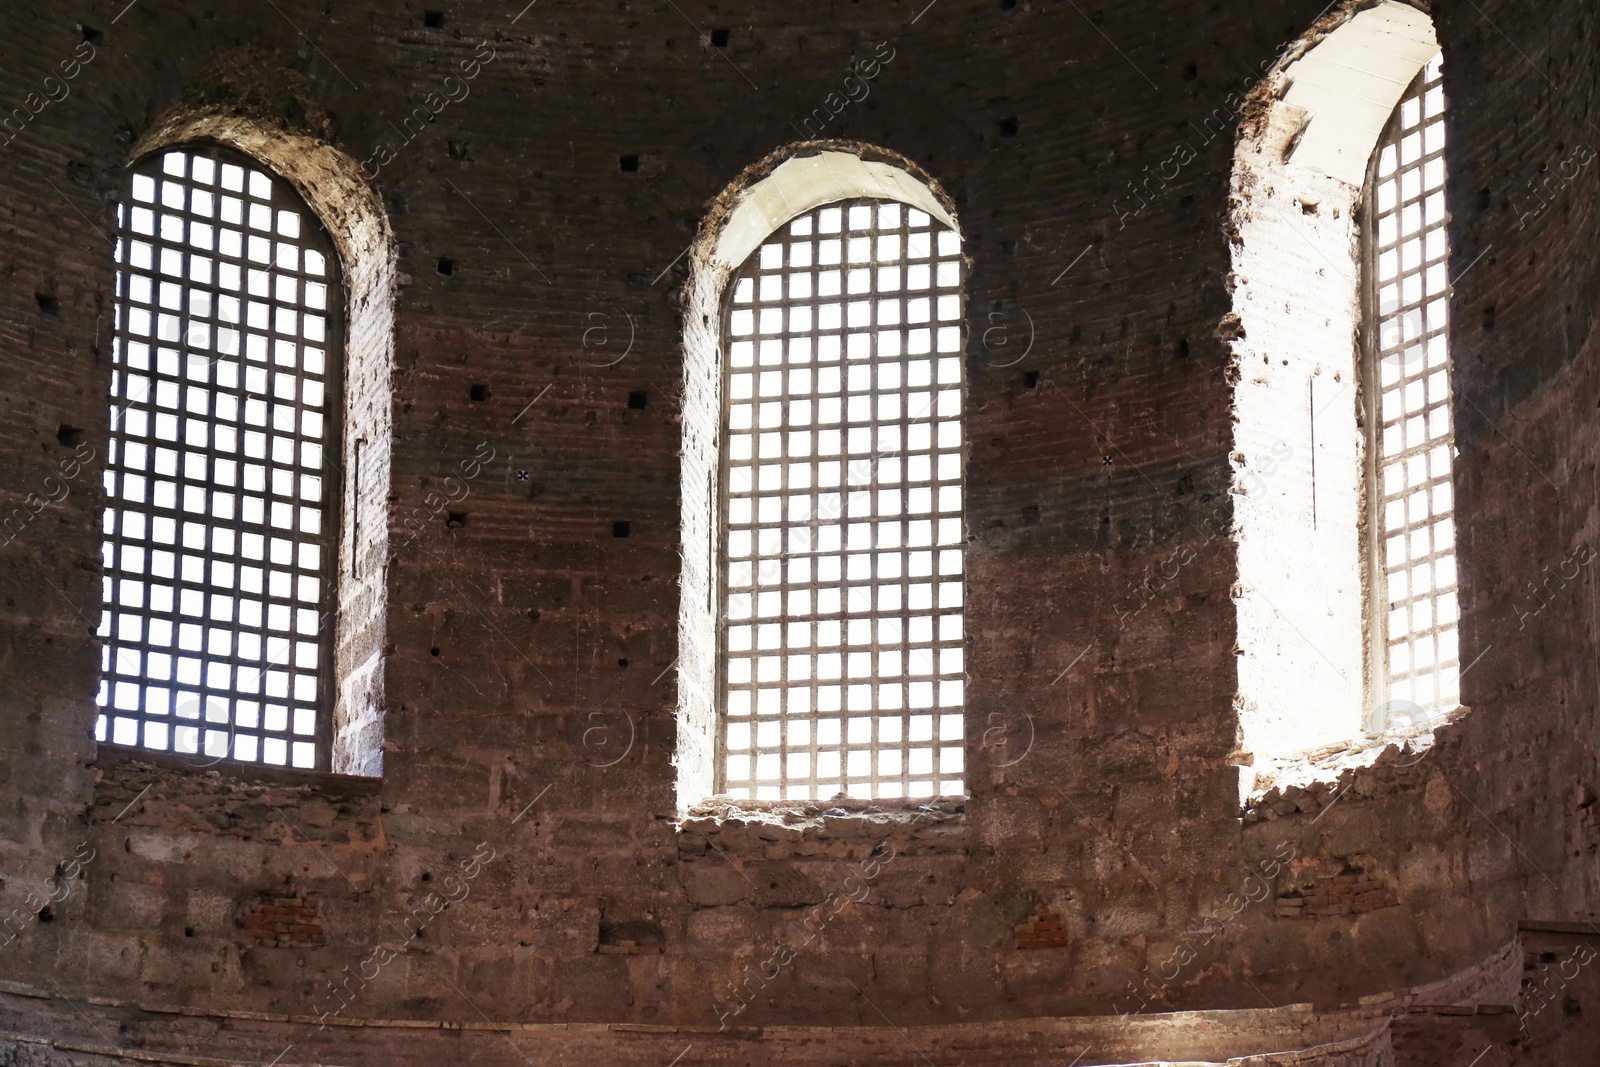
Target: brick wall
<point>283,922</point>
<point>1332,887</point>
<point>549,605</point>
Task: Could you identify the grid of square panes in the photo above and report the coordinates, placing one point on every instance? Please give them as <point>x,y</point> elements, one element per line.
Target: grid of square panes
<point>1414,441</point>
<point>842,510</point>
<point>219,528</point>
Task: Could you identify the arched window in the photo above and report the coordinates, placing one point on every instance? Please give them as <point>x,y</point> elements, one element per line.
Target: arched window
<point>224,466</point>
<point>1411,442</point>
<point>1346,598</point>
<point>836,541</point>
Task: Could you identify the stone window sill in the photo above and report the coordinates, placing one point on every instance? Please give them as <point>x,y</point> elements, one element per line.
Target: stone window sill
<point>780,829</point>
<point>1326,765</point>
<point>118,758</point>
<point>233,798</point>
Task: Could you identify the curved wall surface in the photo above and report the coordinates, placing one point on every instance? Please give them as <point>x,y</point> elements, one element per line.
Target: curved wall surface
<point>521,857</point>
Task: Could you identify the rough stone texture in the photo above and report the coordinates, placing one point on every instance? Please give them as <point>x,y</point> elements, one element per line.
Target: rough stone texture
<point>529,718</point>
<point>1424,1027</point>
<point>1339,887</point>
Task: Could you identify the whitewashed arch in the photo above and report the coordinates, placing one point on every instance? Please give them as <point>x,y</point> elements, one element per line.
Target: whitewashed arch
<point>1297,188</point>
<point>787,184</point>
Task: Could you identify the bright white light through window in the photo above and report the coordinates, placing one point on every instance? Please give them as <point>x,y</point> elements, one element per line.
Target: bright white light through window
<point>220,526</point>
<point>1413,441</point>
<point>841,508</point>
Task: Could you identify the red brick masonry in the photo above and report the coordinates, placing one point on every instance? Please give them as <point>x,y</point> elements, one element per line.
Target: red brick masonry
<point>283,922</point>
<point>1350,890</point>
<point>1041,930</point>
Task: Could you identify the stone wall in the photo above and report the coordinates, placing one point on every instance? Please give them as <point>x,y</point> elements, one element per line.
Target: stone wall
<point>526,817</point>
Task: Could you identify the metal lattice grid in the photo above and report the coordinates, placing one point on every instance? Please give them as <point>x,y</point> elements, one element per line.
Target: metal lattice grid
<point>1412,443</point>
<point>842,538</point>
<point>222,479</point>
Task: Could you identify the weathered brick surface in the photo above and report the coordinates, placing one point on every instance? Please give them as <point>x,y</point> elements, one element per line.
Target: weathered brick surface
<point>1322,887</point>
<point>1092,461</point>
<point>1041,929</point>
<point>283,922</point>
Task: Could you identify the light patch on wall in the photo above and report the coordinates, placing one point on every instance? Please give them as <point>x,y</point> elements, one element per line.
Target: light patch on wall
<point>1350,83</point>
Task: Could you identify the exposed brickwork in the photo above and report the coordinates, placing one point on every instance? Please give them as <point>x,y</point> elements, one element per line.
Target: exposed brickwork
<point>1098,460</point>
<point>1317,888</point>
<point>1041,930</point>
<point>283,922</point>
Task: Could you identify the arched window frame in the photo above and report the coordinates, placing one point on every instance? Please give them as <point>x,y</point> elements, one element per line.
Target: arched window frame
<point>771,194</point>
<point>1312,695</point>
<point>227,392</point>
<point>329,184</point>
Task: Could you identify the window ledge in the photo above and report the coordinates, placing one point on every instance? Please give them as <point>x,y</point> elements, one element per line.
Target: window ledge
<point>233,798</point>
<point>823,828</point>
<point>1324,765</point>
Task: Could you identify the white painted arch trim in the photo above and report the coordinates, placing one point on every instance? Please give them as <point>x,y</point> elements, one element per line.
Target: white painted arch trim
<point>1296,189</point>
<point>742,218</point>
<point>1348,86</point>
<point>802,183</point>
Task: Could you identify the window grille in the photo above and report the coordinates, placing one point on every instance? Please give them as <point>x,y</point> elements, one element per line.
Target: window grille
<point>841,511</point>
<point>221,522</point>
<point>1411,440</point>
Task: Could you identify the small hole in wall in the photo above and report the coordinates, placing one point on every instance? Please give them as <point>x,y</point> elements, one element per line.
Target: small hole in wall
<point>1007,5</point>
<point>719,38</point>
<point>1183,348</point>
<point>638,400</point>
<point>46,915</point>
<point>427,877</point>
<point>628,163</point>
<point>433,19</point>
<point>455,520</point>
<point>619,529</point>
<point>48,304</point>
<point>1191,71</point>
<point>69,436</point>
<point>188,931</point>
<point>622,663</point>
<point>447,267</point>
<point>1030,379</point>
<point>479,393</point>
<point>1008,127</point>
<point>434,651</point>
<point>90,34</point>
